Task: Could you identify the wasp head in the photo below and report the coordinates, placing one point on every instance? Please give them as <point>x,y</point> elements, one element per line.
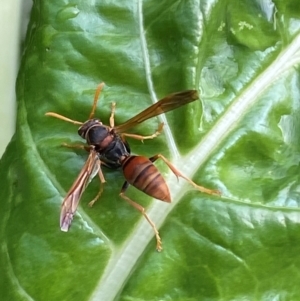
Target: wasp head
<point>83,130</point>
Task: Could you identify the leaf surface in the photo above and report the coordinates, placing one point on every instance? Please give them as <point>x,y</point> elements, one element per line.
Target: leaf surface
<point>241,137</point>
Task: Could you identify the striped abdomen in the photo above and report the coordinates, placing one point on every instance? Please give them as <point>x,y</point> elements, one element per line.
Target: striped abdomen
<point>141,173</point>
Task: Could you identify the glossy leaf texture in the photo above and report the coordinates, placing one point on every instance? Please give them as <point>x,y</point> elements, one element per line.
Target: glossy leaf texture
<point>241,137</point>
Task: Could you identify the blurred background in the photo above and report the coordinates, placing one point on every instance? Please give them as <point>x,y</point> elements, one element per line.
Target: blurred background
<point>14,17</point>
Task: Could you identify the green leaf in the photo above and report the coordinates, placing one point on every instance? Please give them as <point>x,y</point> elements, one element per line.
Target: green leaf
<point>241,137</point>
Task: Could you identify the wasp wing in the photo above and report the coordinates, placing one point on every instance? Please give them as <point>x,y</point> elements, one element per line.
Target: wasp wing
<point>170,102</point>
<point>71,201</point>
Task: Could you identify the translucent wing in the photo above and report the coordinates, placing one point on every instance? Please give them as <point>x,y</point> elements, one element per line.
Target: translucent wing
<point>170,102</point>
<point>71,201</point>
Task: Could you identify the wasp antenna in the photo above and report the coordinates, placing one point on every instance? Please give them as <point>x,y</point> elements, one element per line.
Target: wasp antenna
<point>96,97</point>
<point>63,118</point>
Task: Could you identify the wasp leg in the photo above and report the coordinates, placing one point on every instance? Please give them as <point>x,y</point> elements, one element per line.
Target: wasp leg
<point>139,137</point>
<point>177,173</point>
<point>112,115</point>
<point>102,181</point>
<point>96,97</point>
<point>142,210</point>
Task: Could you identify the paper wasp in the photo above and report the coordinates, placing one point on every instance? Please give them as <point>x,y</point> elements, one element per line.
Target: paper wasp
<point>107,146</point>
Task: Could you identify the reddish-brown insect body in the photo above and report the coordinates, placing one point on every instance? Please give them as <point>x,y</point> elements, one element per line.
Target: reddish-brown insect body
<point>107,146</point>
<point>141,173</point>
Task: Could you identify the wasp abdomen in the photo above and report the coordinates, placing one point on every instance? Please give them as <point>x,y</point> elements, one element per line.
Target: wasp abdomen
<point>140,172</point>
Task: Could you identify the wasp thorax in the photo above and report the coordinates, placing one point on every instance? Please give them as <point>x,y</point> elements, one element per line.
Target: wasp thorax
<point>82,131</point>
